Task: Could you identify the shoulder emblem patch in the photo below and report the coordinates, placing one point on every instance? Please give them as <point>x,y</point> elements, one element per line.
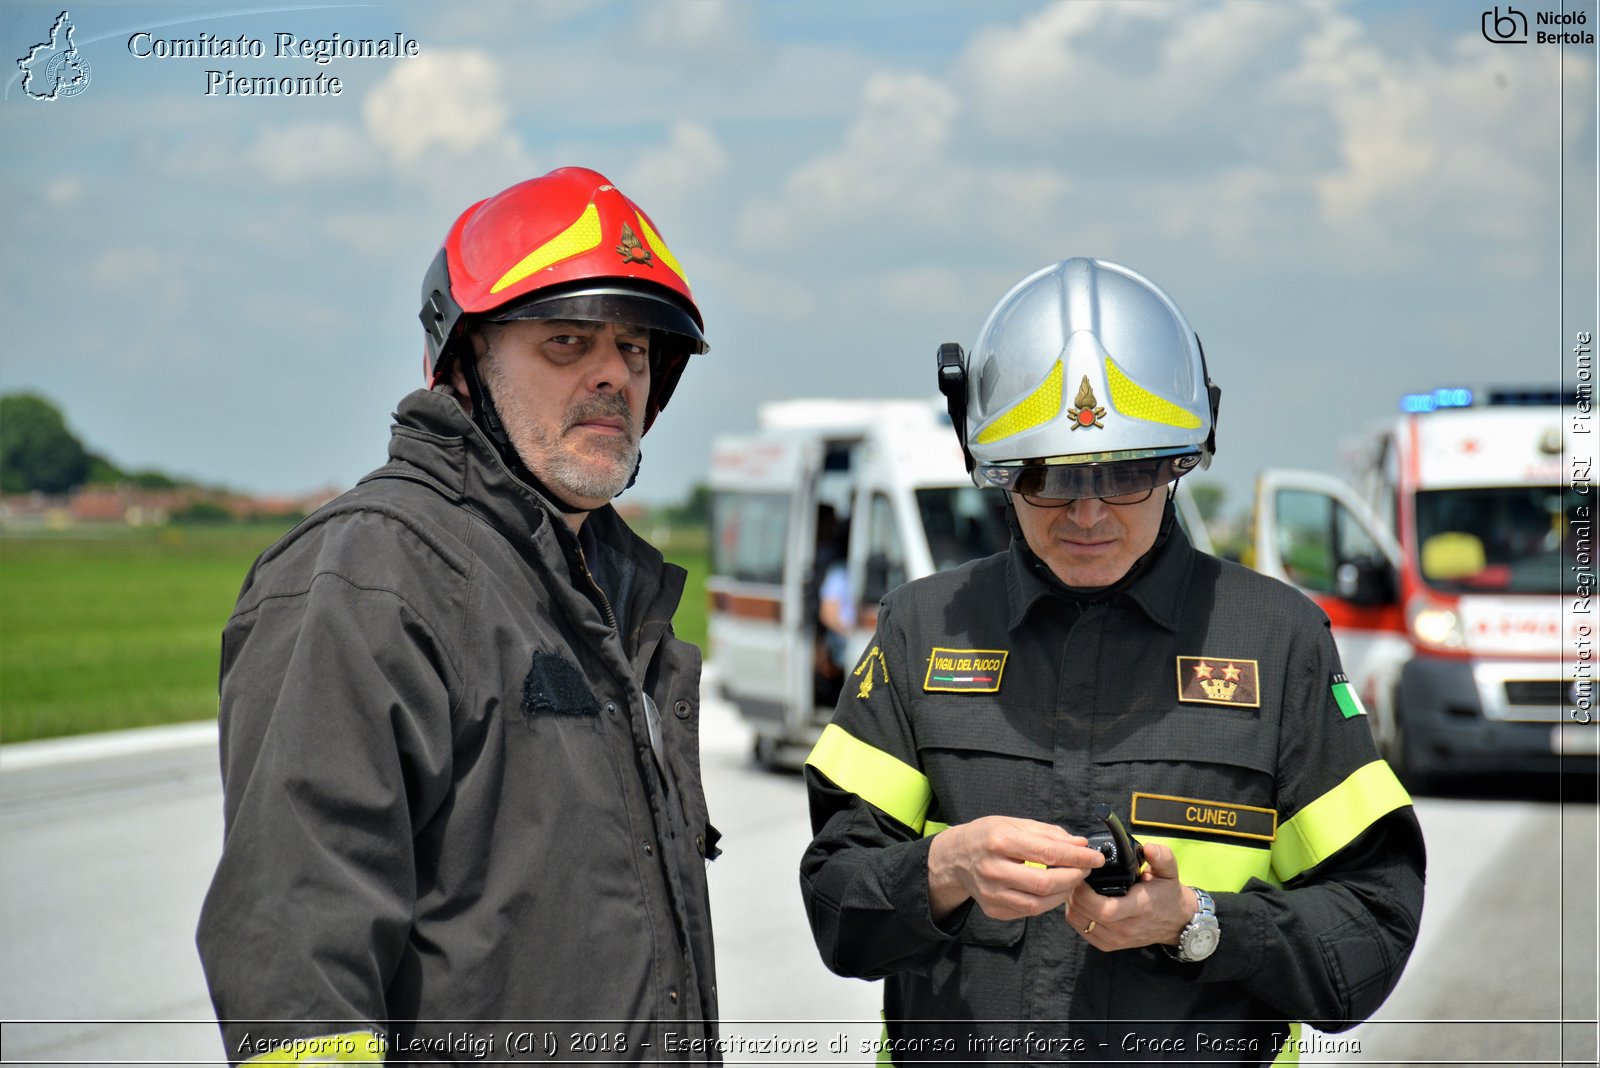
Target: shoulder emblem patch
<point>965,670</point>
<point>1219,680</point>
<point>1206,817</point>
<point>864,671</point>
<point>1345,696</point>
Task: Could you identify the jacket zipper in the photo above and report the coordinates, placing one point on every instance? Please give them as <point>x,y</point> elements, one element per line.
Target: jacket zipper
<point>605,603</point>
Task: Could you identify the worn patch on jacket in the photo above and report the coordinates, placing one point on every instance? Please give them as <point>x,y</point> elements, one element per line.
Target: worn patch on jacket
<point>1207,817</point>
<point>1219,680</point>
<point>555,687</point>
<point>964,670</point>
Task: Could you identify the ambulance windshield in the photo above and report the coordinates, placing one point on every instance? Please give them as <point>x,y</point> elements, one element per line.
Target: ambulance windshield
<point>963,523</point>
<point>1509,539</point>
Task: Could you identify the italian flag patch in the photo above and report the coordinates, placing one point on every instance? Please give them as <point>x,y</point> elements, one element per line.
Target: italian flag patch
<point>1344,695</point>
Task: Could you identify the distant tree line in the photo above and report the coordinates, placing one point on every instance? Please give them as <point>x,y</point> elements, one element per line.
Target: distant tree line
<point>39,454</point>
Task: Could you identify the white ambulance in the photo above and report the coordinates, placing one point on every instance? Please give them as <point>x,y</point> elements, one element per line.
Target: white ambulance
<point>1445,567</point>
<point>889,474</point>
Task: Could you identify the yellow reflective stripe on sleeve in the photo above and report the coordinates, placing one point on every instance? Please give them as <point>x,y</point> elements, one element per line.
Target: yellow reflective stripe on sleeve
<point>933,827</point>
<point>1289,1052</point>
<point>1335,819</point>
<point>352,1047</point>
<point>580,237</point>
<point>1130,398</point>
<point>1221,867</point>
<point>882,781</point>
<point>1036,409</point>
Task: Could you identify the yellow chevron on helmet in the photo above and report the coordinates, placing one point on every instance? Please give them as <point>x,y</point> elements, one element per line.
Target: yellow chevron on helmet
<point>1036,409</point>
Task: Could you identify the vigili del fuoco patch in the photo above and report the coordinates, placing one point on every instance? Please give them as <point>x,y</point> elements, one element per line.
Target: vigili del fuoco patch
<point>965,670</point>
<point>1207,817</point>
<point>1219,680</point>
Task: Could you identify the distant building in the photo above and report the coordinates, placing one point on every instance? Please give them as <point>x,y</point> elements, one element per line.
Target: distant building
<point>130,506</point>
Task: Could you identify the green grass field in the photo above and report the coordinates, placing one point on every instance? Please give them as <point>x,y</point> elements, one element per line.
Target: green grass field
<point>123,628</point>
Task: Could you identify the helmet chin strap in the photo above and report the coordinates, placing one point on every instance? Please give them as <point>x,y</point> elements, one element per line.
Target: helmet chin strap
<point>487,418</point>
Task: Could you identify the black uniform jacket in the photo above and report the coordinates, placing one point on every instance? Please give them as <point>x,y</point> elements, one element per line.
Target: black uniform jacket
<point>444,813</point>
<point>1205,704</point>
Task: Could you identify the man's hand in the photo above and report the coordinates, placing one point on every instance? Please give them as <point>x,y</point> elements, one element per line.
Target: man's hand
<point>1010,867</point>
<point>1156,908</point>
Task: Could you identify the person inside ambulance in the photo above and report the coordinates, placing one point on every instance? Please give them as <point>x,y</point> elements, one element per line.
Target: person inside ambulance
<point>1103,660</point>
<point>459,738</point>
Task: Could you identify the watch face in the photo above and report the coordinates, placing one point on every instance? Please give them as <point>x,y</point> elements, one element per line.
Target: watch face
<point>1200,943</point>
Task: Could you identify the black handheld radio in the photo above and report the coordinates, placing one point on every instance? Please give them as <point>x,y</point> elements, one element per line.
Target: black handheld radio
<point>1124,855</point>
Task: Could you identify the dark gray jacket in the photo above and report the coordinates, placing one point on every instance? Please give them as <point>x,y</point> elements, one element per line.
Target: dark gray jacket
<point>445,821</point>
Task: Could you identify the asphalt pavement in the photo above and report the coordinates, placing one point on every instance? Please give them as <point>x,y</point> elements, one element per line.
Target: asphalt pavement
<point>107,844</point>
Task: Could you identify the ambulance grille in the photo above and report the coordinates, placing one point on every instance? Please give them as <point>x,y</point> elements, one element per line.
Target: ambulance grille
<point>1538,692</point>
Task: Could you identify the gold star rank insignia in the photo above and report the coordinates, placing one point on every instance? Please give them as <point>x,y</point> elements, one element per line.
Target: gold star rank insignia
<point>1219,680</point>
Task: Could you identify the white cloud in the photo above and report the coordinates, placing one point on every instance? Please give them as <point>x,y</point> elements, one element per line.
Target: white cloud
<point>446,99</point>
<point>1439,142</point>
<point>685,164</point>
<point>894,181</point>
<point>1279,130</point>
<point>311,152</point>
<point>695,26</point>
<point>65,191</point>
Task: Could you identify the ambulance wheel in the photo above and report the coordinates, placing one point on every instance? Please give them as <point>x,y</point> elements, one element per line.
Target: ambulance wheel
<point>765,751</point>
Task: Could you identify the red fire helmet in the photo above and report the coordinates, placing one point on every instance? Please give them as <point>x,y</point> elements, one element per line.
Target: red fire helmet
<point>568,245</point>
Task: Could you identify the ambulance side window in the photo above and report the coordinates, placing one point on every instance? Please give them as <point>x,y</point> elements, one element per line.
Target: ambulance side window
<point>886,558</point>
<point>1317,537</point>
<point>749,532</point>
<point>1305,538</point>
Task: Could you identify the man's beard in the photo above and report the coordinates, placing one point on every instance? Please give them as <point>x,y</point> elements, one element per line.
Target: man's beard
<point>599,468</point>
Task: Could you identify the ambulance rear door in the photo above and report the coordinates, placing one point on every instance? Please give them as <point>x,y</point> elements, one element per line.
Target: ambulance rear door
<point>763,538</point>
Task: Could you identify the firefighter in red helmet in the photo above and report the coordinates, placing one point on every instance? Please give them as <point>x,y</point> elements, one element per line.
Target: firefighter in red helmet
<point>460,740</point>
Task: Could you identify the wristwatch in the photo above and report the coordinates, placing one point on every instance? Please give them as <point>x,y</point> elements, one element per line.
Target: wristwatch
<point>1199,939</point>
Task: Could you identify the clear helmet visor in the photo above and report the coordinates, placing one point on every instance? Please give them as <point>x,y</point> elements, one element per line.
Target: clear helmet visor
<point>635,306</point>
<point>1077,481</point>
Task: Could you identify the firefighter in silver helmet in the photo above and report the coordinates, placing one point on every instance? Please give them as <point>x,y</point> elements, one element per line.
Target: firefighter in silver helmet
<point>1103,671</point>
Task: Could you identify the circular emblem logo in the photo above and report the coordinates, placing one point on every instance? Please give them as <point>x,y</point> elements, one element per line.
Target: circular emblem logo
<point>68,73</point>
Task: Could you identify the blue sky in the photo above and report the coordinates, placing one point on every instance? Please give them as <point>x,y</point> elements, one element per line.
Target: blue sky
<point>1349,200</point>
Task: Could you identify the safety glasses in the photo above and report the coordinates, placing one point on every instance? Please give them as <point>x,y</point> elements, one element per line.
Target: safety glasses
<point>1119,482</point>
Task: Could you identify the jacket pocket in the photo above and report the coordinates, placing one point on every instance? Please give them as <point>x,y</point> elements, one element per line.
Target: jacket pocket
<point>1191,735</point>
<point>979,761</point>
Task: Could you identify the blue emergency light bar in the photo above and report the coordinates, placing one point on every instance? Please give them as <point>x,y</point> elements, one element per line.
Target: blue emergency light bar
<point>1413,403</point>
<point>1532,397</point>
<point>1439,398</point>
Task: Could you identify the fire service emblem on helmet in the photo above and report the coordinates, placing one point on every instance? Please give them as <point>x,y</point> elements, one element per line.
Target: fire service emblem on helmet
<point>631,249</point>
<point>1086,414</point>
